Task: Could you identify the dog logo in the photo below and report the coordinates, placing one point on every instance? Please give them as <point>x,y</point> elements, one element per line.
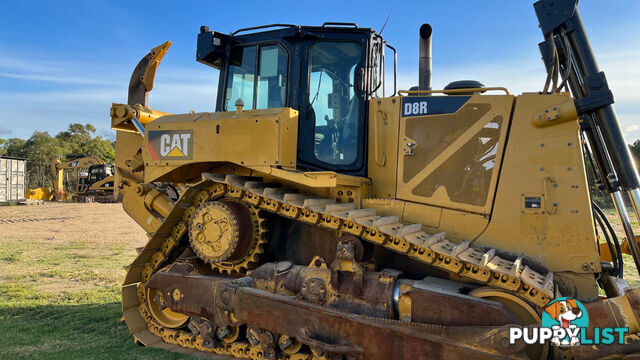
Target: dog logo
<point>564,323</point>
<point>566,317</point>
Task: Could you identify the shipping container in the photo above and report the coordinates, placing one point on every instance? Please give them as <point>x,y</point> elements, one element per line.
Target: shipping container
<point>12,178</point>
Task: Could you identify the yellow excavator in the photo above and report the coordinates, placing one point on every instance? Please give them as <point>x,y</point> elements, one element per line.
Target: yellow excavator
<point>312,217</point>
<point>96,184</point>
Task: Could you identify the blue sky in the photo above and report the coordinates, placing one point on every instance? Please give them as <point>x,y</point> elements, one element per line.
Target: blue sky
<point>67,61</point>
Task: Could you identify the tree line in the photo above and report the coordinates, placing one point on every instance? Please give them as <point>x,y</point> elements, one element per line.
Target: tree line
<point>41,148</point>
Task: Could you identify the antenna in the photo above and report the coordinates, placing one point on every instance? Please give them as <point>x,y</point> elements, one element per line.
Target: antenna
<point>386,21</point>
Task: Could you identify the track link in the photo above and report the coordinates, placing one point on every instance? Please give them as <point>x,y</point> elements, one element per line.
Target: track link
<point>480,266</point>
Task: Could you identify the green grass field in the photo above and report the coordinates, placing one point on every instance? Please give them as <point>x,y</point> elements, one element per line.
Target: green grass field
<point>59,283</point>
<point>60,270</point>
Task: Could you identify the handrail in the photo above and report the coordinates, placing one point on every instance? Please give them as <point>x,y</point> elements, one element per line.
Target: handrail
<point>337,23</point>
<point>263,27</point>
<point>324,25</point>
<point>395,68</point>
<point>453,91</point>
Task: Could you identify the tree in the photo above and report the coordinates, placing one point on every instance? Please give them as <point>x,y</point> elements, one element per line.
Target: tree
<point>41,148</point>
<point>13,147</point>
<point>78,140</point>
<point>635,151</point>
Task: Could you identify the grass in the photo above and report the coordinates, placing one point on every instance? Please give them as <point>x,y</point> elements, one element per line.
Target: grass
<point>630,273</point>
<point>9,203</point>
<point>59,285</point>
<point>83,326</point>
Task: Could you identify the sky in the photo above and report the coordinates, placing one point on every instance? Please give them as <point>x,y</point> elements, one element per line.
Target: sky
<point>67,61</point>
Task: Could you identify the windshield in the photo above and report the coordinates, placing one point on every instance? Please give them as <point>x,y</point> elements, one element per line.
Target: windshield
<point>334,102</point>
<point>257,76</point>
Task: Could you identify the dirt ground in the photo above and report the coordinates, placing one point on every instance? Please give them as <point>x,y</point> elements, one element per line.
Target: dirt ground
<point>103,233</point>
<point>60,275</point>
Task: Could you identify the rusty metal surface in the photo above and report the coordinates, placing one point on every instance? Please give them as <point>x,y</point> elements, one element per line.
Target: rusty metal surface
<point>363,337</point>
<point>613,351</point>
<point>613,312</point>
<point>198,291</point>
<point>370,295</point>
<point>225,302</point>
<point>435,304</point>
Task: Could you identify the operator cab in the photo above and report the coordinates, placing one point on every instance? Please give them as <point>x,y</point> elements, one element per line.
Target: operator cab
<point>99,172</point>
<point>327,73</point>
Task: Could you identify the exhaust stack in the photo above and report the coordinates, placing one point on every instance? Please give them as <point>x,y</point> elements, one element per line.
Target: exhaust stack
<point>424,70</point>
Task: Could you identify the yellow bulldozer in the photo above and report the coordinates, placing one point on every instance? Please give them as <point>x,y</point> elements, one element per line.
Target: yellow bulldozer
<point>311,216</point>
<point>93,185</point>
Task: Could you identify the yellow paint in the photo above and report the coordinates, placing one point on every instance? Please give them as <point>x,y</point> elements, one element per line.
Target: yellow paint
<point>557,234</point>
<point>545,162</point>
<point>257,138</point>
<point>383,129</point>
<point>57,170</point>
<point>175,152</point>
<point>42,193</point>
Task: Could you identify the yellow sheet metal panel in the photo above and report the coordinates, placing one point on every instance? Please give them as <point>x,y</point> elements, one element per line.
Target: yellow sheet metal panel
<point>426,215</point>
<point>251,138</point>
<point>458,225</point>
<point>462,225</point>
<point>384,118</point>
<point>316,179</point>
<point>542,205</point>
<point>385,207</point>
<point>42,193</point>
<point>450,160</point>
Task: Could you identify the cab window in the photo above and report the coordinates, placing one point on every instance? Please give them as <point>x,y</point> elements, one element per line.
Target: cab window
<point>258,76</point>
<point>334,102</point>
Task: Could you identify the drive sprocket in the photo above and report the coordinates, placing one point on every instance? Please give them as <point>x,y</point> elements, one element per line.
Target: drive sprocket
<point>228,235</point>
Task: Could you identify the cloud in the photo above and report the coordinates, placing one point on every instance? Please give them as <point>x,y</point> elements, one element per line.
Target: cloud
<point>28,63</point>
<point>54,110</point>
<point>632,132</point>
<point>632,128</point>
<point>58,79</point>
<point>5,131</point>
<point>107,134</point>
<point>42,92</point>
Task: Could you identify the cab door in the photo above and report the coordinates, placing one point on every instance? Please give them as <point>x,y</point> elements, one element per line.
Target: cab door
<point>333,106</point>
